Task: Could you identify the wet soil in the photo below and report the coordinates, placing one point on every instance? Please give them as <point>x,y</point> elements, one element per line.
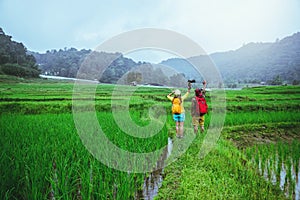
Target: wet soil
<point>249,135</point>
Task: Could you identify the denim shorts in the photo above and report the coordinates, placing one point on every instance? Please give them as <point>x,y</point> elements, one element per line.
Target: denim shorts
<point>179,117</point>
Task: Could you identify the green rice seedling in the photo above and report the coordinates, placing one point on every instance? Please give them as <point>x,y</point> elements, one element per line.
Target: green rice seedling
<point>280,168</point>
<point>296,156</point>
<point>233,119</point>
<point>272,161</point>
<point>48,159</point>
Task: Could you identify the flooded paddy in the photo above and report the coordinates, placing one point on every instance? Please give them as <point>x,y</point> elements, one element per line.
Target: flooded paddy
<point>279,163</point>
<point>153,181</point>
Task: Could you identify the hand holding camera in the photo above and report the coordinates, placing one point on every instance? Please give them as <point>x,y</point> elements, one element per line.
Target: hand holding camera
<point>193,81</point>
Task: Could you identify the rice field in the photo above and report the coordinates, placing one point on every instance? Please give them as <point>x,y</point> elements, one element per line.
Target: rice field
<point>45,159</point>
<point>43,156</point>
<point>279,164</point>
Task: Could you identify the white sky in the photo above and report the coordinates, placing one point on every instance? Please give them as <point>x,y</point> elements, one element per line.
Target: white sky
<point>216,25</point>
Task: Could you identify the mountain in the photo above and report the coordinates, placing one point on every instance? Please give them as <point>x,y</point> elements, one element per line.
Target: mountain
<point>67,62</point>
<point>62,62</point>
<point>113,67</point>
<point>272,63</point>
<point>253,62</point>
<point>14,58</point>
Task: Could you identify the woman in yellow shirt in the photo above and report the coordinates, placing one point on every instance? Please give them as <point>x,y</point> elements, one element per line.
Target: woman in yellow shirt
<point>178,109</point>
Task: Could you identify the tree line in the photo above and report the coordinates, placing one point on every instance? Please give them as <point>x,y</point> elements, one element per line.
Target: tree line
<point>14,58</point>
<point>104,67</point>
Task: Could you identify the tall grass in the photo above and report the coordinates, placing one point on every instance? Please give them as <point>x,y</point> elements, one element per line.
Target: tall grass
<point>42,156</point>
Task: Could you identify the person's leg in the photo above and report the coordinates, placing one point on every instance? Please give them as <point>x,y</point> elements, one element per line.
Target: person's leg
<point>202,128</point>
<point>195,129</point>
<point>182,118</point>
<point>177,128</point>
<point>181,128</point>
<point>201,122</point>
<point>176,119</point>
<point>195,122</point>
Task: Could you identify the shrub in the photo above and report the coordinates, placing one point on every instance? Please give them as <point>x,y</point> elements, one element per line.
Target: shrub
<point>17,70</point>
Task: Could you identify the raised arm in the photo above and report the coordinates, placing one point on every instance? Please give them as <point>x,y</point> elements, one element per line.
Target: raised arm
<point>169,96</point>
<point>188,92</point>
<point>204,85</point>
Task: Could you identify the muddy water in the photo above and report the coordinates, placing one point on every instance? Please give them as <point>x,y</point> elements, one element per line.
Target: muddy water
<point>154,180</point>
<point>287,179</point>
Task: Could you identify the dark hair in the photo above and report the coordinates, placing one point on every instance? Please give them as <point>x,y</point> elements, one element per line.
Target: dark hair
<point>197,92</point>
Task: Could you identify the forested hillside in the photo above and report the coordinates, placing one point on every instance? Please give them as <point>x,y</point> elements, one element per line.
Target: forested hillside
<point>272,63</point>
<point>68,61</point>
<point>262,61</point>
<point>62,62</point>
<point>14,59</point>
<point>114,67</point>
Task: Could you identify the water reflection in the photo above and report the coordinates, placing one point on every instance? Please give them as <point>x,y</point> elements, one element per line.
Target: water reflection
<point>286,175</point>
<point>154,180</point>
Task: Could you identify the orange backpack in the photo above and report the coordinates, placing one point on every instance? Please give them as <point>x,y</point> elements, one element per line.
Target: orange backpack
<point>176,105</point>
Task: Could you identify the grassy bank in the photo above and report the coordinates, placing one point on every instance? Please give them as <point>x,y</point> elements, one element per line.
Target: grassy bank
<point>225,173</point>
<point>231,170</point>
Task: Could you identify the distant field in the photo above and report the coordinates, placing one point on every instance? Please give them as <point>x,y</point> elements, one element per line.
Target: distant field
<point>44,157</point>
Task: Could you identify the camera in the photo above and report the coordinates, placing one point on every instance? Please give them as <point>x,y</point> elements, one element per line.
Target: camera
<point>192,81</point>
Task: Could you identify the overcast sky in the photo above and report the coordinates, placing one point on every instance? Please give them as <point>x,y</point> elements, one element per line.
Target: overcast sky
<point>216,25</point>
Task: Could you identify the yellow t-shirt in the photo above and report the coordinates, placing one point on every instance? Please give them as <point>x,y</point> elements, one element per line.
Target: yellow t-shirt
<point>182,100</point>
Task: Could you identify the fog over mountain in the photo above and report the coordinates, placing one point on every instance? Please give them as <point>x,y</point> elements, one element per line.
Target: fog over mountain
<point>253,62</point>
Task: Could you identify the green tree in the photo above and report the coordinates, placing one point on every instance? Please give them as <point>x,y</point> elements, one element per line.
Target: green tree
<point>134,77</point>
<point>277,80</point>
<point>14,59</point>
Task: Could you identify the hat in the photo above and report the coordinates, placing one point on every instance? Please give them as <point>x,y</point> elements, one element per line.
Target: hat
<point>177,92</point>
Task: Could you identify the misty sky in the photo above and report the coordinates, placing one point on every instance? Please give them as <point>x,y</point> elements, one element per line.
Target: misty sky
<point>216,25</point>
